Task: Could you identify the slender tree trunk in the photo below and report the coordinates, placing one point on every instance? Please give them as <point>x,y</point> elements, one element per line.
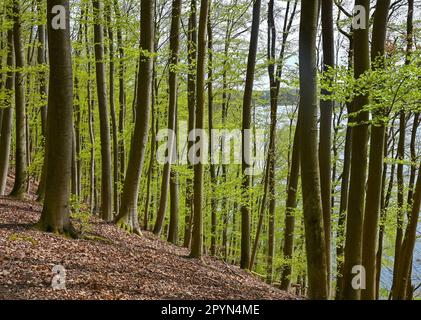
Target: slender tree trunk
<point>197,233</point>
<point>326,121</point>
<point>272,140</point>
<point>375,170</point>
<point>148,207</point>
<point>174,209</point>
<point>275,77</point>
<point>340,236</point>
<point>401,157</point>
<point>400,291</point>
<point>121,95</point>
<point>342,212</point>
<point>19,188</point>
<point>312,203</point>
<point>106,176</point>
<point>172,114</point>
<point>214,203</point>
<point>42,76</point>
<point>7,119</point>
<point>114,126</point>
<point>191,104</point>
<point>384,205</point>
<point>291,206</point>
<point>413,148</point>
<point>358,176</point>
<point>92,180</point>
<point>246,136</point>
<point>128,208</point>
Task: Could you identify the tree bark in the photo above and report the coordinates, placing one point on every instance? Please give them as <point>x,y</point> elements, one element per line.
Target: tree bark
<point>106,176</point>
<point>128,209</point>
<point>213,174</point>
<point>7,119</point>
<point>375,170</point>
<point>246,152</point>
<point>55,216</point>
<point>191,105</point>
<point>114,127</point>
<point>310,175</point>
<point>326,120</point>
<point>291,206</point>
<point>358,176</point>
<point>197,233</point>
<point>400,291</point>
<point>20,185</point>
<point>172,114</point>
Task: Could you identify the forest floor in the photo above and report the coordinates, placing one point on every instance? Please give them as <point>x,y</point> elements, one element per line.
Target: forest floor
<point>110,264</point>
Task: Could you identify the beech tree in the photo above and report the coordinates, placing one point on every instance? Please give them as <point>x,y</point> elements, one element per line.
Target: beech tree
<point>359,150</point>
<point>20,184</point>
<point>172,114</point>
<point>326,118</point>
<point>7,117</point>
<point>128,217</point>
<point>375,173</point>
<point>310,176</point>
<point>337,106</point>
<point>246,153</point>
<point>55,215</point>
<point>197,231</point>
<point>106,177</point>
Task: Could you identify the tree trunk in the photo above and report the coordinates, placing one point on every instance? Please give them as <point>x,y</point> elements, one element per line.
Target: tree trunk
<point>358,176</point>
<point>174,206</point>
<point>7,119</point>
<point>312,203</point>
<point>114,127</point>
<point>213,177</point>
<point>401,157</point>
<point>246,137</point>
<point>172,114</point>
<point>375,170</point>
<point>400,291</point>
<point>55,216</point>
<point>291,206</point>
<point>191,104</point>
<point>121,95</point>
<point>19,188</point>
<point>197,233</point>
<point>326,120</point>
<point>106,176</point>
<point>128,208</point>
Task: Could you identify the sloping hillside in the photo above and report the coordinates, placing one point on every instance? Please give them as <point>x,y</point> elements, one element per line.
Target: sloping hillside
<point>110,264</point>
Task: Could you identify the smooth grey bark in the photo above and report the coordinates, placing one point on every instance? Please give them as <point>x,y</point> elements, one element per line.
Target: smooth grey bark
<point>326,121</point>
<point>197,230</point>
<point>7,119</point>
<point>114,126</point>
<point>246,152</point>
<point>359,152</point>
<point>172,114</point>
<point>20,185</point>
<point>191,105</point>
<point>213,173</point>
<point>55,215</point>
<point>375,170</point>
<point>310,175</point>
<point>128,209</point>
<point>121,94</point>
<point>106,176</point>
